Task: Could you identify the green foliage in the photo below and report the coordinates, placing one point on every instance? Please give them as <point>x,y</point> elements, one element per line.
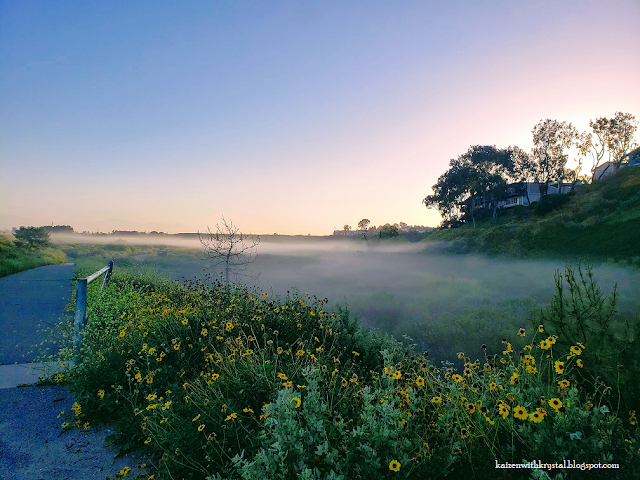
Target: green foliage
<point>107,251</point>
<point>600,221</point>
<point>480,171</point>
<point>32,238</point>
<point>224,382</point>
<point>14,259</point>
<point>549,203</point>
<point>388,231</point>
<point>584,314</point>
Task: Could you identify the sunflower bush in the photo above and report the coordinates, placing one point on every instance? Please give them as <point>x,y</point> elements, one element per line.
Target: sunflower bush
<point>225,382</point>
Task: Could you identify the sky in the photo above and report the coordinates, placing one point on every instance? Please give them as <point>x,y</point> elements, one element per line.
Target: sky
<point>285,117</point>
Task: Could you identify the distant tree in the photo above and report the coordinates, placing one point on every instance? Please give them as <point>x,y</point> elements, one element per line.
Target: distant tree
<point>550,140</point>
<point>387,231</point>
<point>58,228</point>
<point>346,229</point>
<point>228,247</point>
<point>403,225</point>
<point>32,237</point>
<point>362,226</point>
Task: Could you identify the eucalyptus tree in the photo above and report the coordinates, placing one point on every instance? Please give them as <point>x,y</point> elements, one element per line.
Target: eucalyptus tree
<point>611,138</point>
<point>550,140</point>
<point>523,168</point>
<point>622,129</point>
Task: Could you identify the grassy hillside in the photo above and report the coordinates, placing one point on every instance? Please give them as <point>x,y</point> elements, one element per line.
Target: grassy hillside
<point>599,222</point>
<point>14,259</point>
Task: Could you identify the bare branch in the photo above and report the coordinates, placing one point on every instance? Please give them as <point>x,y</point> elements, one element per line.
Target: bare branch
<point>229,247</point>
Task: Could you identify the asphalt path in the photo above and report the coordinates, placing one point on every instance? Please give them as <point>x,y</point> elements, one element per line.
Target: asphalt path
<point>31,301</point>
<point>33,444</point>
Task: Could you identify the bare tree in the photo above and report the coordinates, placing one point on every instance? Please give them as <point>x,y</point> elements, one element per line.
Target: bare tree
<point>346,229</point>
<point>229,247</point>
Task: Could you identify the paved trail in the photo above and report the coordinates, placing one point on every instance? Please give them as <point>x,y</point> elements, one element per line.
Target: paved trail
<point>30,301</point>
<point>33,445</point>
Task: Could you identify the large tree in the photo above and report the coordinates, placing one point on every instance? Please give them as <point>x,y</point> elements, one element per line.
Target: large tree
<point>612,138</point>
<point>622,128</point>
<point>595,143</point>
<point>550,140</point>
<point>523,168</point>
<point>32,238</point>
<point>476,178</point>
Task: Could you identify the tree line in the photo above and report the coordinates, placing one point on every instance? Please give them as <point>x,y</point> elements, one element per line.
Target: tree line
<point>485,171</point>
<point>387,230</point>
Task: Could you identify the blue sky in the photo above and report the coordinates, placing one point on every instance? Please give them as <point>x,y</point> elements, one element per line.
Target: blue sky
<point>288,117</point>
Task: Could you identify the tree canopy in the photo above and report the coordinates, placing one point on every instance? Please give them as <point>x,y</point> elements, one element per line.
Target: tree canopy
<point>550,140</point>
<point>481,171</point>
<point>32,237</point>
<point>478,178</point>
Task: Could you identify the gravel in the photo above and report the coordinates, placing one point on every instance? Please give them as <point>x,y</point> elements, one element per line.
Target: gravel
<point>33,445</point>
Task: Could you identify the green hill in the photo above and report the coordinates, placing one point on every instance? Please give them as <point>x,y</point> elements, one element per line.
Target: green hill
<point>601,221</point>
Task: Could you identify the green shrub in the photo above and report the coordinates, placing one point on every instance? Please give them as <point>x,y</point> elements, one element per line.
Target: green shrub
<point>581,313</point>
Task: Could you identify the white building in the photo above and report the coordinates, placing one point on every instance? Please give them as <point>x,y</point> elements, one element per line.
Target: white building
<point>608,168</point>
<point>525,193</point>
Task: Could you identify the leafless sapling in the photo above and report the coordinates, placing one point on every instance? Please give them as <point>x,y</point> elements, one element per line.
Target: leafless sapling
<point>229,247</point>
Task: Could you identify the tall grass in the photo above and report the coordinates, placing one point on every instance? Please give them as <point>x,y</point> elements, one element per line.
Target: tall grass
<point>228,382</point>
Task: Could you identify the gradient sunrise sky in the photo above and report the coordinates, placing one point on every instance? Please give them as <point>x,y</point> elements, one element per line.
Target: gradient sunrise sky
<point>287,117</point>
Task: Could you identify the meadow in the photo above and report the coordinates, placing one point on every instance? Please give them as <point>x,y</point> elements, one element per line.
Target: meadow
<point>444,302</point>
<point>274,382</point>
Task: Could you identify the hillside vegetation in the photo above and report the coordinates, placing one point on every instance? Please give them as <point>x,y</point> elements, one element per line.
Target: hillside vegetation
<point>15,258</point>
<point>601,221</point>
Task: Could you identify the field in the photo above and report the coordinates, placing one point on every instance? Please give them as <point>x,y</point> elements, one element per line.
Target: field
<point>234,382</point>
<point>444,302</point>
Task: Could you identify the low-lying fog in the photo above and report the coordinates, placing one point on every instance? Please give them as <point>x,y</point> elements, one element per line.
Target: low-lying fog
<point>444,302</point>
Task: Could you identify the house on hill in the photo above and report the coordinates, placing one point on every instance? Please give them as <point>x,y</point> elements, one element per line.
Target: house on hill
<point>608,168</point>
<point>525,193</point>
